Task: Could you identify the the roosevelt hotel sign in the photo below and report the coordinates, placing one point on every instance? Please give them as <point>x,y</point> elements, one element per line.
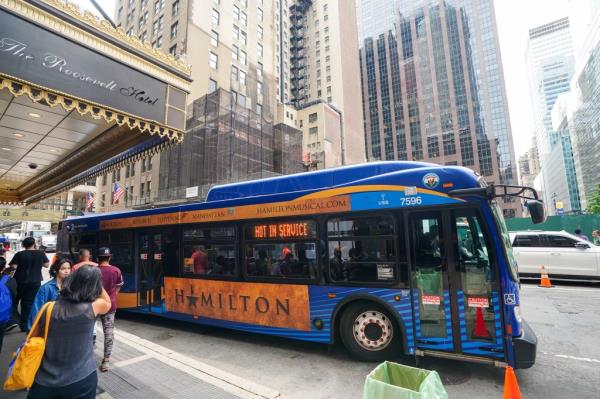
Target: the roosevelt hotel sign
<point>41,57</point>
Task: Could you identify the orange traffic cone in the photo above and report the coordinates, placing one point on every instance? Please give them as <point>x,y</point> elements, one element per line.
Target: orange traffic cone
<point>480,331</point>
<point>511,387</point>
<point>544,280</point>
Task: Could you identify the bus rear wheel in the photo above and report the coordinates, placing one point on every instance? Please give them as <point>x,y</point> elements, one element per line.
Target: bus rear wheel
<point>369,332</point>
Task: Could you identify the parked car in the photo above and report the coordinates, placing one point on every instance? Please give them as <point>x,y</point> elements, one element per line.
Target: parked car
<point>563,254</point>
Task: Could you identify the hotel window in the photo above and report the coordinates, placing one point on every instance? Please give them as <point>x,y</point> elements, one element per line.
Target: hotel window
<point>236,12</point>
<point>259,50</point>
<point>213,60</point>
<point>260,14</point>
<point>175,8</point>
<point>174,29</point>
<point>155,28</point>
<point>212,86</point>
<point>173,50</point>
<point>130,17</point>
<point>259,30</point>
<point>244,18</point>
<point>243,57</point>
<point>235,52</point>
<point>236,32</point>
<point>244,37</point>
<point>259,71</point>
<point>214,38</point>
<point>234,73</point>
<point>215,17</point>
<point>243,78</point>
<point>159,42</point>
<point>160,22</point>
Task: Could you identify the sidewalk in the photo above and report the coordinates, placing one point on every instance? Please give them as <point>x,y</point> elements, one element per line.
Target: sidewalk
<point>141,369</point>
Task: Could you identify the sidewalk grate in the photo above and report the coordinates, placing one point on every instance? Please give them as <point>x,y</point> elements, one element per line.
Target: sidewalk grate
<point>152,378</point>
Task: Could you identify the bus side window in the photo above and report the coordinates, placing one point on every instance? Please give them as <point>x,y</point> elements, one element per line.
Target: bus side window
<point>362,249</point>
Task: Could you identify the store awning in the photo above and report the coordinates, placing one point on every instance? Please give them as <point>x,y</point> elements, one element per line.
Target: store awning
<point>75,93</point>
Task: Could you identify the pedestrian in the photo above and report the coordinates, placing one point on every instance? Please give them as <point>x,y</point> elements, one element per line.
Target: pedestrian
<point>580,235</point>
<point>8,295</point>
<point>28,264</point>
<point>596,237</point>
<point>68,368</point>
<point>49,291</point>
<point>85,258</point>
<point>112,280</point>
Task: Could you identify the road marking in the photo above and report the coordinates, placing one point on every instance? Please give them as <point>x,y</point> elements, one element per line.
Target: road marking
<point>579,359</point>
<point>561,289</point>
<point>127,362</point>
<point>222,379</point>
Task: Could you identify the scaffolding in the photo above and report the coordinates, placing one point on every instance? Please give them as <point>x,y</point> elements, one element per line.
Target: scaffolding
<point>227,143</point>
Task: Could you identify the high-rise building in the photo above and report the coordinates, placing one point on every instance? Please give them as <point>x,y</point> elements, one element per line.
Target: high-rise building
<point>550,62</point>
<point>252,50</point>
<point>433,86</point>
<point>529,166</point>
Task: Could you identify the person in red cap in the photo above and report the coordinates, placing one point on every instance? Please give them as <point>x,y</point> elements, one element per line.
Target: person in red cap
<point>112,281</point>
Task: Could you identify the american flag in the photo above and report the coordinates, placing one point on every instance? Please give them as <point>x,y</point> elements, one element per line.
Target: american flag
<point>118,193</point>
<point>90,201</point>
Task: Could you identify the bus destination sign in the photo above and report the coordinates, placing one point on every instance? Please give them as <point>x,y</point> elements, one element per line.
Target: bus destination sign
<point>275,231</point>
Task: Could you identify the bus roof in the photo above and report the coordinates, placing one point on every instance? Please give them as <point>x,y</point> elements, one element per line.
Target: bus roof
<point>290,187</point>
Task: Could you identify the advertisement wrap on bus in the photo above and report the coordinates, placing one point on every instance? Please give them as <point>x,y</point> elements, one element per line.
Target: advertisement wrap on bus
<point>387,258</point>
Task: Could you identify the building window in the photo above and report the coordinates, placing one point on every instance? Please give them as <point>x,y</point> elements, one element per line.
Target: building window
<point>259,31</point>
<point>174,29</point>
<point>260,14</point>
<point>215,17</point>
<point>236,32</point>
<point>243,78</point>
<point>259,109</point>
<point>244,37</point>
<point>244,18</point>
<point>214,38</point>
<point>173,50</point>
<point>104,180</point>
<point>259,50</point>
<point>259,71</point>
<point>143,36</point>
<point>175,8</point>
<point>235,52</point>
<point>312,118</point>
<point>259,89</point>
<point>103,200</point>
<point>213,60</point>
<point>212,86</point>
<point>243,57</point>
<point>234,73</point>
<point>313,130</point>
<point>155,28</point>
<point>159,42</point>
<point>236,12</point>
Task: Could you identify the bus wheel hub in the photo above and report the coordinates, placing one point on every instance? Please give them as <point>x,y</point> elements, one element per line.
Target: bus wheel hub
<point>373,330</point>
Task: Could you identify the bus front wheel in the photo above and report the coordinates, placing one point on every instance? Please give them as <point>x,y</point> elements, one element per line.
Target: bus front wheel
<point>369,332</point>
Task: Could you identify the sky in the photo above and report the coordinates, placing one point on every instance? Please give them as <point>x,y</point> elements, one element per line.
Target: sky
<point>514,19</point>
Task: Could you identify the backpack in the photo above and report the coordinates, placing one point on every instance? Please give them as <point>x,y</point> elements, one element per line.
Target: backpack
<point>5,300</point>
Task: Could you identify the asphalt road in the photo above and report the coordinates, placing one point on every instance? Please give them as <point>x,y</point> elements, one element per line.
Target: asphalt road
<point>566,320</point>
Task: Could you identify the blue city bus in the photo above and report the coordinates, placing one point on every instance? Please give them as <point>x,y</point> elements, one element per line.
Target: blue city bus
<point>389,258</point>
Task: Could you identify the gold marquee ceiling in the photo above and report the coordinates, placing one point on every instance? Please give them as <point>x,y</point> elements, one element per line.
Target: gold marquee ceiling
<point>48,135</point>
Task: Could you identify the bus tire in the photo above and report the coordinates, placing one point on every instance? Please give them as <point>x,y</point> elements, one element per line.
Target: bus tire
<point>369,332</point>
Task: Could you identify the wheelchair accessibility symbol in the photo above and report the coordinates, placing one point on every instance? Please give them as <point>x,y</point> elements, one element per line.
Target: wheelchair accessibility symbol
<point>510,299</point>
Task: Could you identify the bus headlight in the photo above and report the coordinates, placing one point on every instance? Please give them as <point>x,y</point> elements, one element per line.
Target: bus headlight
<point>517,312</point>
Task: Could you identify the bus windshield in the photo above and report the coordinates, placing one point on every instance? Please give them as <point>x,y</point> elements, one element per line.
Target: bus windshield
<point>503,230</point>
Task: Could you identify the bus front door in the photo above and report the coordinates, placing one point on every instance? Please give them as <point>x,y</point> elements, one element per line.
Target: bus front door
<point>455,296</point>
<point>153,251</point>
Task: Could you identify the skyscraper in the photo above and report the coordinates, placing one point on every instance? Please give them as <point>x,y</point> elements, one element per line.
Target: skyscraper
<point>433,86</point>
<point>550,62</point>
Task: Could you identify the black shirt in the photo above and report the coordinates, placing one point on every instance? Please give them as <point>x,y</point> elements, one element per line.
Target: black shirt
<point>29,265</point>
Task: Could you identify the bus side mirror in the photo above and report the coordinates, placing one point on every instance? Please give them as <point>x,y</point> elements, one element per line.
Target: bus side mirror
<point>536,210</point>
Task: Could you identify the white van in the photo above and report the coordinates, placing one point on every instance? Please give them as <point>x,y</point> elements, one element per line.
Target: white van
<point>563,254</point>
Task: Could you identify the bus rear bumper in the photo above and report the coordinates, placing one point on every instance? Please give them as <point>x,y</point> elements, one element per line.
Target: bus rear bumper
<point>525,347</point>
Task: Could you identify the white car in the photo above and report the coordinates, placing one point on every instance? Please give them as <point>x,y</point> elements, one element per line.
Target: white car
<point>564,255</point>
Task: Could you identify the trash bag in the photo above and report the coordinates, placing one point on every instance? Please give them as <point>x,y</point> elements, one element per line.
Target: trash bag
<point>395,381</point>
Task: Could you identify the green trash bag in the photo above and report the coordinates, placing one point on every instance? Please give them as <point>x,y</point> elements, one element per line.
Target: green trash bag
<point>396,381</point>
